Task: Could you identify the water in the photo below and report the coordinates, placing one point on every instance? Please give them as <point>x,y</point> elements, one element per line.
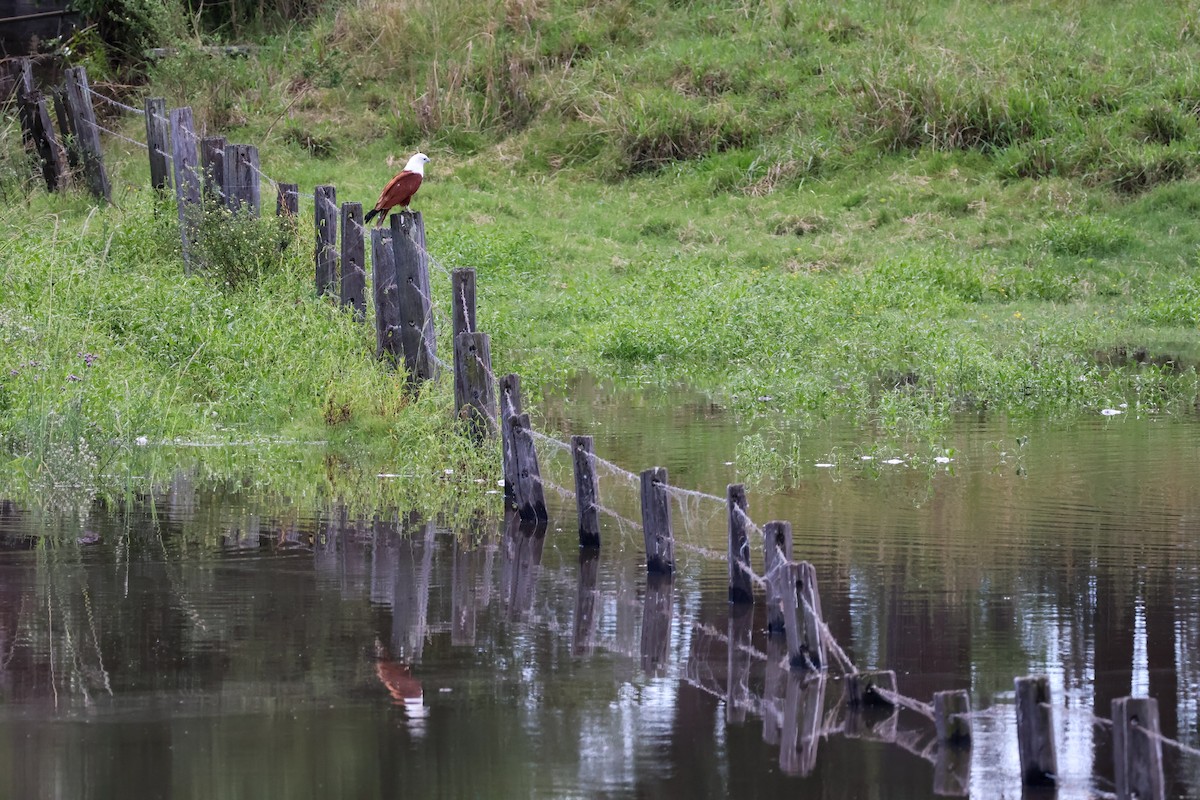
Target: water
<point>202,643</point>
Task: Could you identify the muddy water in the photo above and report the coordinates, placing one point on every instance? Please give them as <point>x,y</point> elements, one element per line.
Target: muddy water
<point>200,643</point>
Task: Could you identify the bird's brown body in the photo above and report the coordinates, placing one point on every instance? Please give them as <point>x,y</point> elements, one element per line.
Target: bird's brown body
<point>398,192</point>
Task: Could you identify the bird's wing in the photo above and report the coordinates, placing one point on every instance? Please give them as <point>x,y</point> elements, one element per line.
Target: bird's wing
<point>399,190</point>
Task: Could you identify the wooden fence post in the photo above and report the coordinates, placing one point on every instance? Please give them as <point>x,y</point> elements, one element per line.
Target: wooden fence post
<point>416,309</point>
<point>474,396</point>
<point>803,712</point>
<point>861,688</point>
<point>187,179</point>
<point>777,551</point>
<point>287,201</point>
<point>212,167</point>
<point>354,271</point>
<point>66,130</point>
<point>241,187</point>
<point>587,490</point>
<point>83,121</point>
<point>950,716</point>
<point>812,639</point>
<point>531,499</point>
<point>656,522</point>
<point>38,130</point>
<point>325,201</point>
<point>462,283</point>
<point>1035,730</point>
<point>1137,751</point>
<point>510,404</point>
<point>387,298</point>
<point>158,143</point>
<point>741,590</point>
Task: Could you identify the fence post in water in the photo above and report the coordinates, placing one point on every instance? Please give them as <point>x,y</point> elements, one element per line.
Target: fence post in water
<point>861,688</point>
<point>1137,750</point>
<point>812,642</point>
<point>737,662</point>
<point>531,499</point>
<point>777,551</point>
<point>656,522</point>
<point>740,588</point>
<point>87,135</point>
<point>950,716</point>
<point>387,297</point>
<point>158,142</point>
<point>800,733</point>
<point>1035,730</point>
<point>212,167</point>
<point>325,217</point>
<point>416,309</point>
<point>510,404</point>
<point>187,179</point>
<point>474,398</point>
<point>354,273</point>
<point>462,282</point>
<point>587,490</point>
<point>242,192</point>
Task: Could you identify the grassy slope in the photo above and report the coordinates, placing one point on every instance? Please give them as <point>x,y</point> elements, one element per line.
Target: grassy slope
<point>887,209</point>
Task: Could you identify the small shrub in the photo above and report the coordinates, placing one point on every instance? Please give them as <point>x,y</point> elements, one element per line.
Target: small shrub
<point>1086,236</point>
<point>236,249</point>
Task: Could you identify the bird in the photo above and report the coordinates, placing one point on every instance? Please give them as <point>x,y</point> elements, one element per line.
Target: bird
<point>400,189</point>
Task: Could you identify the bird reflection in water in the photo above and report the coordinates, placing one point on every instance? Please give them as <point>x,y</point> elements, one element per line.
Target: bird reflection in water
<point>406,691</point>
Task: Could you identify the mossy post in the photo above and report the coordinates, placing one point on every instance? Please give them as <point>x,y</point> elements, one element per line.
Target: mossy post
<point>1035,731</point>
<point>587,490</point>
<point>1137,750</point>
<point>462,282</point>
<point>531,499</point>
<point>777,552</point>
<point>656,522</point>
<point>87,135</point>
<point>387,298</point>
<point>212,166</point>
<point>741,590</point>
<point>325,216</point>
<point>187,179</point>
<point>416,309</point>
<point>510,405</point>
<point>354,265</point>
<point>474,397</point>
<point>158,143</point>
<point>243,194</point>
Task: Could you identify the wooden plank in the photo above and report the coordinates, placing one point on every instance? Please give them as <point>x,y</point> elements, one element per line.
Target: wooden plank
<point>474,396</point>
<point>186,162</point>
<point>83,121</point>
<point>587,490</point>
<point>777,551</point>
<point>241,184</point>
<point>462,284</point>
<point>326,254</point>
<point>656,522</point>
<point>353,257</point>
<point>387,298</point>
<point>158,143</point>
<point>741,590</point>
<point>212,169</point>
<point>416,310</point>
<point>1137,750</point>
<point>1035,731</point>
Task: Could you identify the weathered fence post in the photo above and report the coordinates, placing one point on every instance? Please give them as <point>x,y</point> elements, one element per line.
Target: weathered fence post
<point>656,522</point>
<point>862,688</point>
<point>510,405</point>
<point>158,142</point>
<point>187,179</point>
<point>777,552</point>
<point>325,217</point>
<point>803,712</point>
<point>741,590</point>
<point>65,128</point>
<point>1035,730</point>
<point>416,309</point>
<point>212,167</point>
<point>87,135</point>
<point>354,272</point>
<point>387,297</point>
<point>587,491</point>
<point>474,396</point>
<point>773,690</point>
<point>531,499</point>
<point>462,283</point>
<point>287,201</point>
<point>950,716</point>
<point>812,642</point>
<point>1137,750</point>
<point>38,130</point>
<point>242,191</point>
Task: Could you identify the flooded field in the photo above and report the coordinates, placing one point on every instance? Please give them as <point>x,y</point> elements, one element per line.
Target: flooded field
<point>209,643</point>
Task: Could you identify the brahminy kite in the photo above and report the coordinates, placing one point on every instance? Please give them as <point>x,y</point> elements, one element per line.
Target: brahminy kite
<point>400,189</point>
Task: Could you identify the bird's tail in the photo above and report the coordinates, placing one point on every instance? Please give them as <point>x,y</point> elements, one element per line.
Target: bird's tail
<point>374,212</point>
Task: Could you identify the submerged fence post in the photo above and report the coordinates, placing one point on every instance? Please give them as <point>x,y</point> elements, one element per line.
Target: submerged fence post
<point>87,135</point>
<point>1035,731</point>
<point>777,552</point>
<point>812,642</point>
<point>387,298</point>
<point>212,166</point>
<point>656,522</point>
<point>187,179</point>
<point>462,283</point>
<point>510,405</point>
<point>740,588</point>
<point>158,142</point>
<point>325,218</point>
<point>242,191</point>
<point>354,272</point>
<point>474,398</point>
<point>587,490</point>
<point>951,710</point>
<point>1137,750</point>
<point>416,307</point>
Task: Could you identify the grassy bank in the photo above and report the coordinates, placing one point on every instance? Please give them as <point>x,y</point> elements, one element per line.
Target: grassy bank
<point>884,210</point>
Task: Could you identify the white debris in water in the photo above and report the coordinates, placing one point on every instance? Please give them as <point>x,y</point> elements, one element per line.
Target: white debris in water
<point>824,465</point>
<point>1111,412</point>
<point>894,461</point>
<point>943,459</point>
<point>141,441</point>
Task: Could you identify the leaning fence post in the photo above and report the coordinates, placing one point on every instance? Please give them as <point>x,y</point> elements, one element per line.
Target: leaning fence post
<point>212,167</point>
<point>656,522</point>
<point>416,309</point>
<point>1137,750</point>
<point>325,216</point>
<point>387,297</point>
<point>158,138</point>
<point>587,491</point>
<point>531,500</point>
<point>474,397</point>
<point>242,191</point>
<point>1035,730</point>
<point>187,179</point>
<point>950,716</point>
<point>740,588</point>
<point>812,644</point>
<point>462,283</point>
<point>510,404</point>
<point>83,120</point>
<point>354,273</point>
<point>37,128</point>
<point>777,552</point>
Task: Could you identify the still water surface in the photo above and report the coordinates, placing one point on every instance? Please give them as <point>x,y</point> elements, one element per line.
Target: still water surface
<point>202,643</point>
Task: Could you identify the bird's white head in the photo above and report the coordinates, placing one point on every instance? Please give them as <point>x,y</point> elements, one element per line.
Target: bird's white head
<point>417,164</point>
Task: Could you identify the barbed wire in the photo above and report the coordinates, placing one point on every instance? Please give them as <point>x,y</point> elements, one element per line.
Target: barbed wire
<point>116,103</point>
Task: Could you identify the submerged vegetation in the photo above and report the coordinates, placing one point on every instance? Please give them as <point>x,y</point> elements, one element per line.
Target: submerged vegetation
<point>893,211</point>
